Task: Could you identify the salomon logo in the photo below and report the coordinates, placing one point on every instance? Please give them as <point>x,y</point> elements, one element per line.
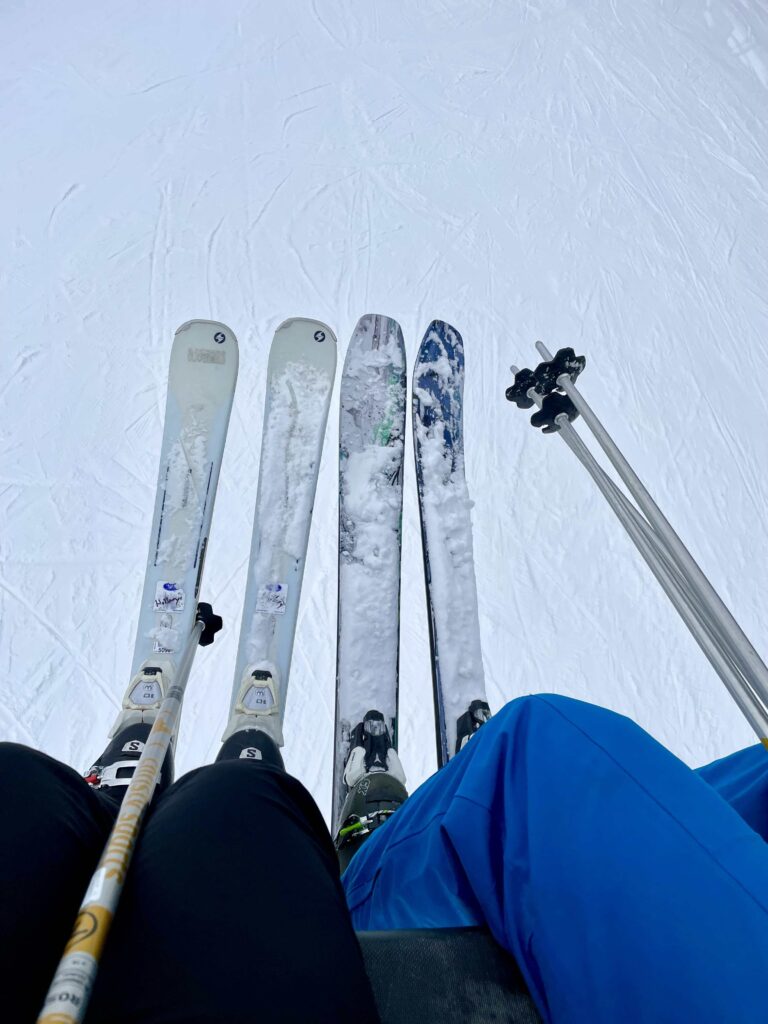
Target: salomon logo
<point>133,747</point>
<point>251,753</point>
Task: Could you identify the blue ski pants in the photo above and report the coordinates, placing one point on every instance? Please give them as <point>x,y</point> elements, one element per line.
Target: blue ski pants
<point>627,886</point>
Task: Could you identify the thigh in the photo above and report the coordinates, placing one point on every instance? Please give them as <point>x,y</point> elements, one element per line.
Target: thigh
<point>233,911</point>
<point>54,829</point>
<point>624,886</point>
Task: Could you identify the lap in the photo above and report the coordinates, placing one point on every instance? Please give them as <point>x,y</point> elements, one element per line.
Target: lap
<point>594,855</point>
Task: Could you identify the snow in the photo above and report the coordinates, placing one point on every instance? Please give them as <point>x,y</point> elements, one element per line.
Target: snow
<point>588,173</point>
<point>296,418</point>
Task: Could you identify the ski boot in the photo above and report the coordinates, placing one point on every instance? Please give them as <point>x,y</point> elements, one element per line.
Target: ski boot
<point>473,718</point>
<point>375,782</point>
<point>114,769</point>
<point>253,731</point>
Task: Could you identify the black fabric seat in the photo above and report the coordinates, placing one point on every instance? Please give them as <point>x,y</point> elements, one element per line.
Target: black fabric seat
<point>445,976</point>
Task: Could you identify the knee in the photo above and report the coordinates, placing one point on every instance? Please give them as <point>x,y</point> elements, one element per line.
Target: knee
<point>549,716</point>
<point>17,760</point>
<point>539,705</point>
<point>237,782</point>
<point>24,770</point>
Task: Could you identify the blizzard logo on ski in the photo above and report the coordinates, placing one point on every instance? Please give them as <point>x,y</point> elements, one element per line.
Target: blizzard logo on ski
<point>206,355</point>
<point>251,754</point>
<point>133,747</point>
<point>169,597</point>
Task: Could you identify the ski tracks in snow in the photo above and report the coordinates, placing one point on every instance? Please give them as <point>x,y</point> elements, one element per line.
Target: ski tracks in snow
<point>590,174</point>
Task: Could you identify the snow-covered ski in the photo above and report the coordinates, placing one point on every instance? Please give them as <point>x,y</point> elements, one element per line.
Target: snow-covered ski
<point>371,441</point>
<point>300,373</point>
<point>446,531</point>
<point>201,386</point>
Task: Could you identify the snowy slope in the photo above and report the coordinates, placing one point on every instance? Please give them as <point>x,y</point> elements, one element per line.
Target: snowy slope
<point>589,173</point>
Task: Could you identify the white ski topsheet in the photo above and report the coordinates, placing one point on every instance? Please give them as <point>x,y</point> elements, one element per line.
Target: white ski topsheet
<point>201,386</point>
<point>371,437</point>
<point>447,525</point>
<point>300,373</point>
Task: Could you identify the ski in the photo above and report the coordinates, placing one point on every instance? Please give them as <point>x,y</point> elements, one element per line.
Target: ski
<point>300,374</point>
<point>201,387</point>
<point>371,443</point>
<point>446,531</point>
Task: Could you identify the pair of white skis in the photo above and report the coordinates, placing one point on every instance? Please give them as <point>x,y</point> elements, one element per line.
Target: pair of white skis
<point>203,372</point>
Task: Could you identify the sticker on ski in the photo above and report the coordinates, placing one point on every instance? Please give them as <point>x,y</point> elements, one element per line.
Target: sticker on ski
<point>272,599</point>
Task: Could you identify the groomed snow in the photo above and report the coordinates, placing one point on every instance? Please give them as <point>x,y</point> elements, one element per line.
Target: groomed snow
<point>588,173</point>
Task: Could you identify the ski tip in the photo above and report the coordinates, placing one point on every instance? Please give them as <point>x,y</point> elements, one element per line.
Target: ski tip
<point>443,334</point>
<point>442,328</point>
<point>373,329</point>
<point>370,320</point>
<point>217,328</point>
<point>322,332</point>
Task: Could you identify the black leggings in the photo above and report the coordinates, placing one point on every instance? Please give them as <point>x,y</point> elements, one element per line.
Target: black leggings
<point>232,911</point>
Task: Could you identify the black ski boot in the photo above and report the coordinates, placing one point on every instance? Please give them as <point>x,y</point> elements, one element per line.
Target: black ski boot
<point>251,745</point>
<point>114,769</point>
<point>368,805</point>
<point>474,717</point>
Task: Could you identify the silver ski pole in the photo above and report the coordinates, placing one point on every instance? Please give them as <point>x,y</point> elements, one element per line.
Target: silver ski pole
<point>714,646</point>
<point>712,625</point>
<point>743,650</point>
<point>72,984</point>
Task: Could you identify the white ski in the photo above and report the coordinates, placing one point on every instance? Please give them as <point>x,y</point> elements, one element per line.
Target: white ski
<point>300,373</point>
<point>201,386</point>
<point>371,442</point>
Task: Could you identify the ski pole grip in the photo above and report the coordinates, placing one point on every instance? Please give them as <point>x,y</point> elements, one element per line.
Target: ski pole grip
<point>212,623</point>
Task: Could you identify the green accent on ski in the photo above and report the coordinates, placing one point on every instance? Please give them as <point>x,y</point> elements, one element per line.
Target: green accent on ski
<point>383,432</point>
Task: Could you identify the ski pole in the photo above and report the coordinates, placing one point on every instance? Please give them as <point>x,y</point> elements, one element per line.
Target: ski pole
<point>72,984</point>
<point>744,650</point>
<point>712,642</point>
<point>698,604</point>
